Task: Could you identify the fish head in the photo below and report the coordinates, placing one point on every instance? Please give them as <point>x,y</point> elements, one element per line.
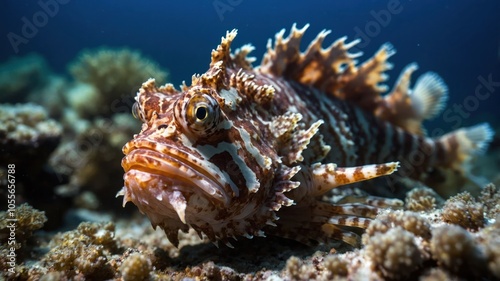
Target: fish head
<point>207,154</point>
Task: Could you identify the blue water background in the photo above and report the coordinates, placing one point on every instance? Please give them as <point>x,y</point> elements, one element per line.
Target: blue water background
<point>456,38</point>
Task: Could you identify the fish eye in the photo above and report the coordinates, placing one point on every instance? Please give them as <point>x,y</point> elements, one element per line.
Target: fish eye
<point>201,112</point>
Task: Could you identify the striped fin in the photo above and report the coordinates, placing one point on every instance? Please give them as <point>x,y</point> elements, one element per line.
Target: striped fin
<point>407,108</point>
<point>327,176</point>
<point>461,145</point>
<point>365,84</point>
<point>332,70</point>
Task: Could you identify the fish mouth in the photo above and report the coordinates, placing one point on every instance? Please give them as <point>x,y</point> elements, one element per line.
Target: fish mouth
<point>179,170</point>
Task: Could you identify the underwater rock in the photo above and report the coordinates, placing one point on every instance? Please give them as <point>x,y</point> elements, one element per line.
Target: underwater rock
<point>110,79</point>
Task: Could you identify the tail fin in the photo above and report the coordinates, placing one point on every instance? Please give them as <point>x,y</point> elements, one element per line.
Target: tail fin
<point>462,145</point>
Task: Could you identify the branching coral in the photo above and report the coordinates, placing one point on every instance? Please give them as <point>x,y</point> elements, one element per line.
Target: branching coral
<point>116,75</point>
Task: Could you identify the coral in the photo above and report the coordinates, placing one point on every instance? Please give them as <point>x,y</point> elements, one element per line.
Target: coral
<point>463,210</point>
<point>51,96</point>
<point>490,243</point>
<point>54,276</point>
<point>421,199</point>
<point>110,78</point>
<point>490,199</point>
<point>409,221</point>
<point>83,251</point>
<point>437,274</point>
<point>27,124</point>
<point>91,160</point>
<point>455,249</point>
<point>297,270</point>
<point>84,98</point>
<point>18,236</point>
<point>394,253</point>
<point>27,139</point>
<point>334,267</point>
<point>27,135</point>
<point>211,271</point>
<point>136,267</point>
<point>28,221</point>
<point>20,75</point>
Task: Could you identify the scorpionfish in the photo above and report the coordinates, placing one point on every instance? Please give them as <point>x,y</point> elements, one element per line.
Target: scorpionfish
<point>249,151</point>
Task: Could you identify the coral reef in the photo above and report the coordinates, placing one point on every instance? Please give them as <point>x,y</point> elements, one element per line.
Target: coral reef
<point>75,161</point>
<point>399,245</point>
<point>27,139</point>
<point>19,75</point>
<point>91,160</point>
<point>109,78</point>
